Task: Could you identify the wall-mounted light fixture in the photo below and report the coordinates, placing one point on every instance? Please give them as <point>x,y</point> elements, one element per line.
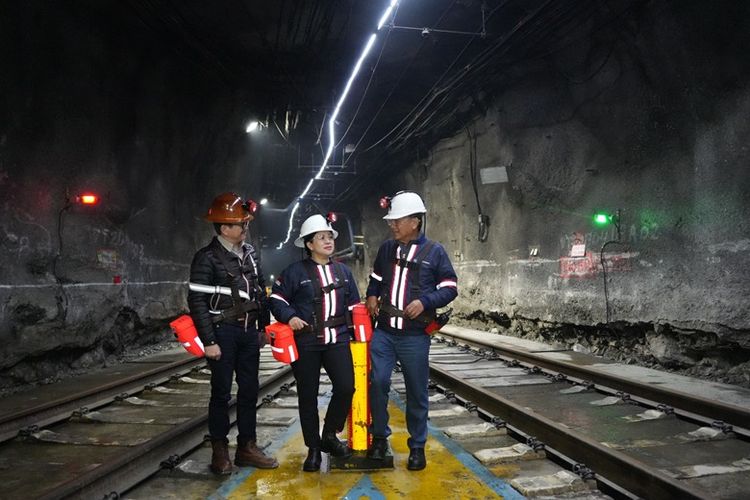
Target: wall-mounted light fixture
<point>254,126</point>
<point>603,219</point>
<point>87,199</point>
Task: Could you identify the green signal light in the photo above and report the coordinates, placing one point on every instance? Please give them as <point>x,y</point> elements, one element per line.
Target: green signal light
<point>602,219</point>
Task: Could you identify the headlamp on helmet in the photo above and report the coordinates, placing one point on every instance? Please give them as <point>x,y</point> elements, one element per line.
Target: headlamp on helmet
<point>229,208</point>
<point>313,224</point>
<point>251,206</point>
<point>403,203</point>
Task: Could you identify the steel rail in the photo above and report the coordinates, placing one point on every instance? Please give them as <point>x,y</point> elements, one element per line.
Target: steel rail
<point>138,463</point>
<point>714,410</point>
<point>55,410</point>
<point>615,466</point>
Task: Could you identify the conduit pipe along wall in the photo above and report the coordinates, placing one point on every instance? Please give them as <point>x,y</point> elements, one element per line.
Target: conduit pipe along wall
<point>657,129</point>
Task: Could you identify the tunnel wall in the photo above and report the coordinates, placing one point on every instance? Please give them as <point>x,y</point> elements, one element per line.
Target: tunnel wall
<point>96,101</point>
<point>653,124</point>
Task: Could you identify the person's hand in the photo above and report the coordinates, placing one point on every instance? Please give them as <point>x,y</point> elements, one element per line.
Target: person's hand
<point>414,309</point>
<point>213,352</point>
<point>372,305</point>
<point>262,339</point>
<point>297,323</point>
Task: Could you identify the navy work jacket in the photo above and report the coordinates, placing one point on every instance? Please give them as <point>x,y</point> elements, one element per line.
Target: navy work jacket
<point>437,285</point>
<point>293,295</point>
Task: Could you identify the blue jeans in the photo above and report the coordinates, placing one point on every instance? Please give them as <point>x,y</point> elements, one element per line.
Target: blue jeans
<point>240,354</point>
<point>412,352</point>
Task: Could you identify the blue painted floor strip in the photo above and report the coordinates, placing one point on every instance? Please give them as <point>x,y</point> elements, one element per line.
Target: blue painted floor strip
<point>364,489</point>
<point>498,485</point>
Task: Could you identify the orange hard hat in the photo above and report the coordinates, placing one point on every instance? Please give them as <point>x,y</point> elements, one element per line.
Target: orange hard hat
<point>229,207</point>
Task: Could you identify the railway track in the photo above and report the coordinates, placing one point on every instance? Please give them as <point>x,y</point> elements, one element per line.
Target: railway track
<point>528,420</point>
<point>120,432</point>
<point>651,442</point>
<point>47,411</point>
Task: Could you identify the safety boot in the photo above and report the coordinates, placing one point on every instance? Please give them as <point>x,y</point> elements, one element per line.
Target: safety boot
<point>417,460</point>
<point>330,444</point>
<point>312,462</point>
<point>378,449</point>
<point>220,463</point>
<point>250,455</point>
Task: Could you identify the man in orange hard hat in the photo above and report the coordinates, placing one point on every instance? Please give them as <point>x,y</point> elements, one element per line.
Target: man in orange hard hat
<point>228,317</point>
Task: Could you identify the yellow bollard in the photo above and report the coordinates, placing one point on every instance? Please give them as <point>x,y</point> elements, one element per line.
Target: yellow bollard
<point>359,415</point>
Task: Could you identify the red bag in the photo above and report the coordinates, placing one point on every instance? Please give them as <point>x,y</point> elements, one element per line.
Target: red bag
<point>186,334</point>
<point>440,321</point>
<point>362,323</point>
<point>283,346</point>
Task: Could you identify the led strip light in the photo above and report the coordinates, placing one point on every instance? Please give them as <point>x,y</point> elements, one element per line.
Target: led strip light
<point>332,120</point>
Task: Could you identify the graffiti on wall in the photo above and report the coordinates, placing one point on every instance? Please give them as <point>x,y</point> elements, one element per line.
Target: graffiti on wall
<point>24,236</point>
<point>108,258</point>
<point>584,264</point>
<point>633,235</point>
<point>590,265</point>
<point>118,241</point>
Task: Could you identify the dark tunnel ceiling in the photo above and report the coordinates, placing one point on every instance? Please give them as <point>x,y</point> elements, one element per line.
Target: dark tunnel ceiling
<point>290,60</point>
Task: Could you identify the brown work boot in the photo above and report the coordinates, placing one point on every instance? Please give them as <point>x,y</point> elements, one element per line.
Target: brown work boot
<point>220,463</point>
<point>251,455</point>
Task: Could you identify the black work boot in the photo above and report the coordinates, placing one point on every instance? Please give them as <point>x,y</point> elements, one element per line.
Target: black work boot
<point>416,461</point>
<point>312,462</point>
<point>220,463</point>
<point>330,444</point>
<point>378,449</point>
<point>251,455</point>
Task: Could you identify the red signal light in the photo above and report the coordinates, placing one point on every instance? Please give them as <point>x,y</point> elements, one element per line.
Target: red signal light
<point>251,206</point>
<point>331,217</point>
<point>87,199</point>
<point>385,202</point>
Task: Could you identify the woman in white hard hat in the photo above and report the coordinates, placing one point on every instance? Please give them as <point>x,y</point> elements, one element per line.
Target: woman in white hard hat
<point>313,296</point>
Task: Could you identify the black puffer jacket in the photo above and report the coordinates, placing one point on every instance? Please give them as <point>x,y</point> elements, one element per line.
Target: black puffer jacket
<point>207,269</point>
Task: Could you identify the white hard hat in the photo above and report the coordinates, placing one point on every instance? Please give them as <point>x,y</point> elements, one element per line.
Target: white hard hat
<point>312,225</point>
<point>405,203</point>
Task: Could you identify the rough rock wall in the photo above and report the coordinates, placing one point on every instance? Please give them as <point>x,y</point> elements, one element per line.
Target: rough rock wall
<point>649,119</point>
<point>94,101</point>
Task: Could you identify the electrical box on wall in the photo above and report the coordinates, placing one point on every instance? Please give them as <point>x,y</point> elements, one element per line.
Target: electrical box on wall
<point>493,175</point>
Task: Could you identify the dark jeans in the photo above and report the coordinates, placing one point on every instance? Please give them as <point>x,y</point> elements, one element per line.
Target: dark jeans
<point>413,352</point>
<point>240,354</point>
<point>337,361</point>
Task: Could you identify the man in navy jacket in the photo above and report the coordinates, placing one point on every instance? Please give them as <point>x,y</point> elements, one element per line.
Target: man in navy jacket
<point>411,278</point>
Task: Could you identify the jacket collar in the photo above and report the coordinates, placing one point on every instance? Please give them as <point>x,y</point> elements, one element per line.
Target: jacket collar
<point>238,250</point>
<point>419,241</point>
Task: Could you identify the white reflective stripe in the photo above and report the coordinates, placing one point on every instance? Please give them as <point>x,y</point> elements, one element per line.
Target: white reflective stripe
<point>277,349</point>
<point>291,354</point>
<point>279,297</point>
<point>323,277</point>
<point>197,341</point>
<point>333,302</point>
<point>402,284</point>
<point>351,307</point>
<point>213,311</point>
<point>394,281</point>
<point>220,290</point>
<point>447,283</point>
<point>362,336</point>
<point>376,276</point>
